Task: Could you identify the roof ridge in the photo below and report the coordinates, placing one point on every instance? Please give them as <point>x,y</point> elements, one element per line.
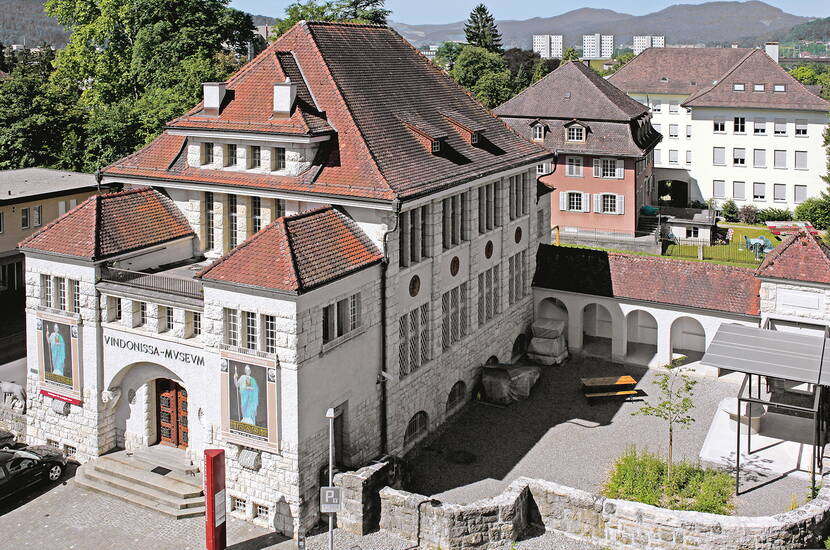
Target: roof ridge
<point>722,77</point>
<point>341,24</point>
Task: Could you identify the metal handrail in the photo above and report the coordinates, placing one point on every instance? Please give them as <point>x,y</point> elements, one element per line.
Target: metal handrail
<point>188,288</point>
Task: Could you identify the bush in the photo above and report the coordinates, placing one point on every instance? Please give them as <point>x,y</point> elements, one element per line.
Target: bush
<point>729,211</point>
<point>774,214</point>
<point>816,211</point>
<point>748,214</point>
<point>641,477</point>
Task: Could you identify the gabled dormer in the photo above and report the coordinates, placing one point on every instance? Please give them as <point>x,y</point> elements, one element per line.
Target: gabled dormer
<point>576,131</point>
<point>538,130</point>
<point>469,130</point>
<point>431,137</point>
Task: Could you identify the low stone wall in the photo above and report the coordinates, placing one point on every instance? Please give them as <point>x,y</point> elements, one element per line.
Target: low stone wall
<point>14,421</point>
<point>360,513</point>
<point>614,523</point>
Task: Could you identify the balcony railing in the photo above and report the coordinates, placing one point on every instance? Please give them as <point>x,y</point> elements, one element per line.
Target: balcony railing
<point>187,288</point>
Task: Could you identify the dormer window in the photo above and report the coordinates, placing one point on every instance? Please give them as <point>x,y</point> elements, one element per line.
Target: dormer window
<point>207,153</point>
<point>538,133</point>
<point>738,87</point>
<point>779,88</point>
<point>231,158</point>
<point>474,138</point>
<point>757,87</point>
<point>436,146</point>
<point>576,133</point>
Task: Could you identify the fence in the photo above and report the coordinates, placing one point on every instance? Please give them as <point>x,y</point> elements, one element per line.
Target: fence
<point>187,288</point>
<point>702,249</point>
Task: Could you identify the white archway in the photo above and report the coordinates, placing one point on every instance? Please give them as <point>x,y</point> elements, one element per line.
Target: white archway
<point>688,337</point>
<point>597,330</point>
<point>641,337</point>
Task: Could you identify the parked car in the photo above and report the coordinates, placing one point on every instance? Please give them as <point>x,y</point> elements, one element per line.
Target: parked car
<point>22,468</point>
<point>7,439</point>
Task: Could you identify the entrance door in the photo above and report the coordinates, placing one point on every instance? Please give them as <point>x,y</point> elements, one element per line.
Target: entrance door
<point>172,413</point>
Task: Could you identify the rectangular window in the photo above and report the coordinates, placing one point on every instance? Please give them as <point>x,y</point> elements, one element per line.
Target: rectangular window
<point>24,218</point>
<point>207,153</point>
<point>719,189</point>
<point>657,156</point>
<point>262,511</point>
<point>231,158</point>
<point>487,207</point>
<point>672,156</point>
<point>780,127</point>
<point>800,128</point>
<point>231,327</point>
<point>250,326</point>
<point>270,325</point>
<point>168,316</point>
<point>801,160</point>
<point>688,157</point>
<point>719,126</point>
<point>75,288</point>
<point>738,190</point>
<point>799,193</point>
<point>576,133</point>
<point>341,318</point>
<point>489,295</point>
<point>46,290</point>
<point>519,202</point>
<point>256,214</point>
<point>759,192</point>
<point>780,158</point>
<point>196,324</point>
<point>609,203</point>
<point>688,131</point>
<point>657,106</point>
<point>657,126</point>
<point>256,156</point>
<point>759,127</point>
<point>673,130</point>
<point>453,316</point>
<point>608,168</point>
<point>279,158</point>
<point>779,192</point>
<point>142,313</point>
<point>674,108</point>
<point>61,284</point>
<point>759,158</point>
<point>413,343</point>
<point>517,277</point>
<point>541,169</point>
<point>233,222</point>
<point>37,216</point>
<point>738,87</point>
<point>692,232</point>
<point>719,156</point>
<point>574,202</point>
<point>779,88</point>
<point>210,209</point>
<point>538,132</point>
<point>279,209</point>
<point>2,223</point>
<point>757,87</point>
<point>739,156</point>
<point>739,125</point>
<point>574,167</point>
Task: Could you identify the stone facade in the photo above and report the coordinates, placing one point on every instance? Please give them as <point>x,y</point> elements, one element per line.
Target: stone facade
<point>798,302</point>
<point>14,421</point>
<point>617,524</point>
<point>359,491</point>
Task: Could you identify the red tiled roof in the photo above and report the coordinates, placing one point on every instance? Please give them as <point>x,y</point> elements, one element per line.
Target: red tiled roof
<point>298,253</point>
<point>654,279</point>
<point>801,257</point>
<point>111,224</point>
<point>357,79</point>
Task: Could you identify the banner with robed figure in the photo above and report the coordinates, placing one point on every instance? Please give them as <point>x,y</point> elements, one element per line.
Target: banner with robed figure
<point>57,357</point>
<point>247,399</point>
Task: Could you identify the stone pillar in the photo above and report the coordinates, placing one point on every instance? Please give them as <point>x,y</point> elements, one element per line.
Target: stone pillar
<point>220,236</point>
<point>243,204</point>
<point>154,322</point>
<point>663,342</point>
<point>129,313</point>
<point>619,337</point>
<point>179,328</point>
<point>218,156</point>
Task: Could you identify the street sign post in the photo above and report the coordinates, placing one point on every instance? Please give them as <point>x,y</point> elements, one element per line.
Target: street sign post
<point>330,502</point>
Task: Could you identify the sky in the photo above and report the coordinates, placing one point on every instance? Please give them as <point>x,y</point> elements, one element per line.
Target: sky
<point>447,11</point>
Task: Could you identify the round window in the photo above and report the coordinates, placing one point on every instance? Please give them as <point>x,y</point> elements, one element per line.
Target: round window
<point>414,285</point>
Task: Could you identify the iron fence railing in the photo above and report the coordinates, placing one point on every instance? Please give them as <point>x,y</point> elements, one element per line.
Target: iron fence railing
<point>188,288</point>
<point>703,249</point>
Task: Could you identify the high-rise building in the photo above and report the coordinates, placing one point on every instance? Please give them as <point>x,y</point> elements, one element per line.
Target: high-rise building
<point>548,46</point>
<point>643,42</point>
<point>597,46</point>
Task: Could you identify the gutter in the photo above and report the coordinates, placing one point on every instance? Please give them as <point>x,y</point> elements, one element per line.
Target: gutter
<point>383,376</point>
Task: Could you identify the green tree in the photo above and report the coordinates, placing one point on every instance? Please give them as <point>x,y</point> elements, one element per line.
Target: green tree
<point>804,74</point>
<point>729,211</point>
<point>493,88</point>
<point>676,392</point>
<point>481,29</point>
<point>370,11</point>
<point>815,210</point>
<point>619,61</point>
<point>543,67</point>
<point>447,53</point>
<point>570,54</point>
<point>310,10</point>
<point>472,63</point>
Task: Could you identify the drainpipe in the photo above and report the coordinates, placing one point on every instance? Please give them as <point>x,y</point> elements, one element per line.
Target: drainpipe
<point>383,376</point>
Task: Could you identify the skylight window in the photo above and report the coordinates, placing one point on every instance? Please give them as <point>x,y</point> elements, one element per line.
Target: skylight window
<point>436,146</point>
<point>738,87</point>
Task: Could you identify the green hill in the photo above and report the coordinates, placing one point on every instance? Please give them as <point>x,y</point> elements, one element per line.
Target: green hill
<point>23,21</point>
<point>818,29</point>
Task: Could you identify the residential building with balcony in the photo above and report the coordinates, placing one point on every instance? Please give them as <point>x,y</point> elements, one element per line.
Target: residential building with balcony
<point>737,126</point>
<point>336,226</point>
<point>602,141</point>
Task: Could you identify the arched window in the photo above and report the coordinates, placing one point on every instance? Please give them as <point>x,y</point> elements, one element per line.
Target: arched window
<point>458,394</point>
<point>416,428</point>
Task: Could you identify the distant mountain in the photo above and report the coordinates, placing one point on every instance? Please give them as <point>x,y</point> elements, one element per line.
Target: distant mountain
<point>814,30</point>
<point>24,21</point>
<point>709,23</point>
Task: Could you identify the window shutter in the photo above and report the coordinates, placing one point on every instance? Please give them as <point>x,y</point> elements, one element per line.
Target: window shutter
<point>620,169</point>
<point>620,204</point>
<point>597,168</point>
<point>597,203</point>
<point>586,202</point>
<point>563,200</point>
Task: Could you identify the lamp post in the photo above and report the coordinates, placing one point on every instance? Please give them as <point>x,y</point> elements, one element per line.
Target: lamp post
<point>330,415</point>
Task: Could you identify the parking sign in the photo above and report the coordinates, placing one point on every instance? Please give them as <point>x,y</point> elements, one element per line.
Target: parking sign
<point>329,500</point>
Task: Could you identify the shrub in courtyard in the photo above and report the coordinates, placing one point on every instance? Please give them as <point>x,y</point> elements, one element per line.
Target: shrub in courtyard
<point>729,211</point>
<point>815,210</point>
<point>774,214</point>
<point>641,477</point>
<point>748,214</point>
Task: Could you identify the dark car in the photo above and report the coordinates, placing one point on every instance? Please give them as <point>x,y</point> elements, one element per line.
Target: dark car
<point>7,439</point>
<point>20,469</point>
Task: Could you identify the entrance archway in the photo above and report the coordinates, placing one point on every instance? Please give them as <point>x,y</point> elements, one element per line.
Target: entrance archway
<point>597,330</point>
<point>641,337</point>
<point>553,308</point>
<point>688,338</point>
<point>171,413</point>
<point>673,193</point>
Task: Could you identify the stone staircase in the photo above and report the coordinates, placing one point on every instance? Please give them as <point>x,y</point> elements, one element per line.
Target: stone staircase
<point>174,489</point>
<point>647,225</point>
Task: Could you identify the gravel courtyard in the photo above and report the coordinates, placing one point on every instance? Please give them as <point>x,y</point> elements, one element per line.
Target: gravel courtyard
<point>556,435</point>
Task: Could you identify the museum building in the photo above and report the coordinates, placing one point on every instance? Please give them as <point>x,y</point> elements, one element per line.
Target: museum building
<point>339,225</point>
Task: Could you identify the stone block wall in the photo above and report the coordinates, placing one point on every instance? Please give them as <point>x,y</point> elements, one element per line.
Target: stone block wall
<point>617,524</point>
<point>359,493</point>
<point>14,421</point>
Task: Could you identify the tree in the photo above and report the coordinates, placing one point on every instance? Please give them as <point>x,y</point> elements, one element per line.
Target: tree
<point>447,54</point>
<point>815,210</point>
<point>676,391</point>
<point>369,11</point>
<point>619,61</point>
<point>729,211</point>
<point>570,55</point>
<point>304,11</point>
<point>481,29</point>
<point>804,74</point>
<point>493,88</point>
<point>521,64</point>
<point>543,67</point>
<point>472,63</point>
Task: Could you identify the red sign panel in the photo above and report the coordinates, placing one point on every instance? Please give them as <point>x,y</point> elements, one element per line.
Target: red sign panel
<point>60,397</point>
<point>215,518</point>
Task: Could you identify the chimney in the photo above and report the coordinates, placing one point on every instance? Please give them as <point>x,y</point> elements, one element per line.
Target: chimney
<point>284,95</point>
<point>772,50</point>
<point>214,93</point>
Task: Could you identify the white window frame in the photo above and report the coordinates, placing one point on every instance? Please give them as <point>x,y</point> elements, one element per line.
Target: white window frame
<point>755,154</point>
<point>674,158</point>
<point>777,124</point>
<point>758,87</point>
<point>25,218</point>
<point>674,131</point>
<point>803,154</point>
<point>801,128</point>
<point>736,158</point>
<point>719,184</point>
<point>759,127</point>
<point>573,166</point>
<point>796,189</point>
<point>776,156</point>
<point>37,216</point>
<point>755,195</point>
<point>738,87</point>
<point>719,126</point>
<point>783,188</point>
<point>735,195</point>
<point>538,132</point>
<point>577,131</point>
<point>779,88</point>
<point>715,151</point>
<point>739,122</point>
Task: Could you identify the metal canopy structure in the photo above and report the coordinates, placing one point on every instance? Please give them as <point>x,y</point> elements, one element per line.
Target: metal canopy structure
<point>775,356</point>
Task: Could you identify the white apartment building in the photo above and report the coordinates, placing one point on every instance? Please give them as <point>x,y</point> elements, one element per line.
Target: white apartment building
<point>643,42</point>
<point>735,125</point>
<point>548,46</point>
<point>597,46</point>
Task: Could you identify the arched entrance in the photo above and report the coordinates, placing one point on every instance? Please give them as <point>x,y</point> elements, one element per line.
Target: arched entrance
<point>688,338</point>
<point>641,334</point>
<point>597,330</point>
<point>673,193</point>
<point>171,412</point>
<point>553,308</point>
